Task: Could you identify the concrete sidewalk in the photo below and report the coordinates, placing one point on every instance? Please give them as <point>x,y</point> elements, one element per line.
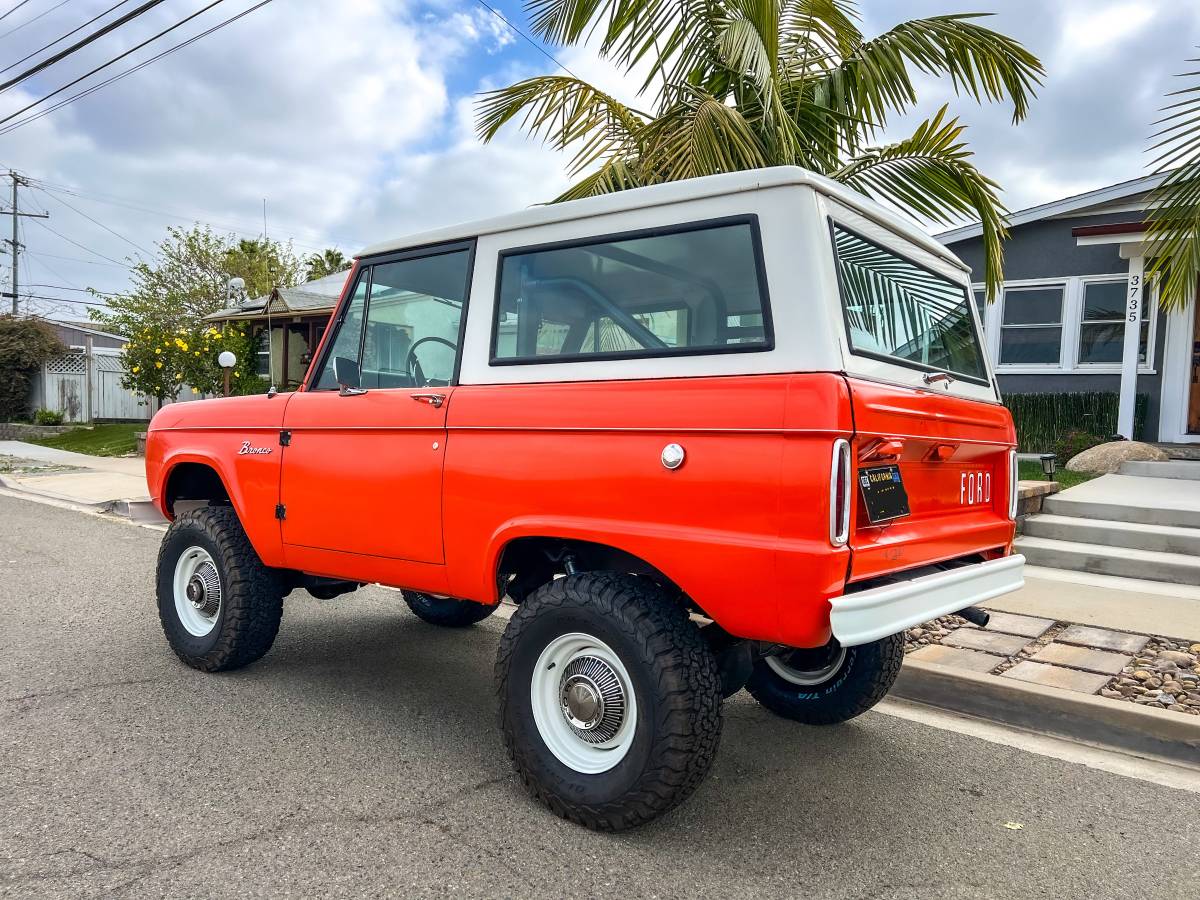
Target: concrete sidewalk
<point>106,483</point>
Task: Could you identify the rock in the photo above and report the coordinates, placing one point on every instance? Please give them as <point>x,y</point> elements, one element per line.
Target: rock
<point>1109,692</point>
<point>1166,699</point>
<point>1141,674</point>
<point>1176,708</point>
<point>1178,657</point>
<point>1107,458</point>
<point>1195,648</point>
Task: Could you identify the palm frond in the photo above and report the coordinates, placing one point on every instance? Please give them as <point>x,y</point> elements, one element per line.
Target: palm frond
<point>875,79</point>
<point>1173,213</point>
<point>930,175</point>
<point>562,110</point>
<point>700,136</point>
<point>615,175</point>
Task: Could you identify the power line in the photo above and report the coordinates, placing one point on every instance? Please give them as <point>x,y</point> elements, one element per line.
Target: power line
<point>13,10</point>
<point>87,262</point>
<point>60,39</point>
<point>82,246</point>
<point>113,200</point>
<point>31,21</point>
<point>138,247</point>
<point>536,46</point>
<point>83,42</point>
<point>59,287</point>
<point>119,75</point>
<point>105,65</point>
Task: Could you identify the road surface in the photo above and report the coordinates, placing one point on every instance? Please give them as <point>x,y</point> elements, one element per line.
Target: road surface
<point>361,758</point>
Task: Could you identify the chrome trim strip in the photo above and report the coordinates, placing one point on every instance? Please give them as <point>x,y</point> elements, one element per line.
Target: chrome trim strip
<point>839,525</point>
<point>1013,492</point>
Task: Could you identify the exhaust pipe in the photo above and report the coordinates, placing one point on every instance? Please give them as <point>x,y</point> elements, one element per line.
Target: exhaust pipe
<point>975,616</point>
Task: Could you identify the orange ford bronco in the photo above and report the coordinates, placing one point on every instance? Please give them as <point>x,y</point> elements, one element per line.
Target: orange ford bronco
<point>734,432</point>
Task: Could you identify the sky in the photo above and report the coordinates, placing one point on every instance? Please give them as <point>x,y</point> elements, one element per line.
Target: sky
<point>354,120</point>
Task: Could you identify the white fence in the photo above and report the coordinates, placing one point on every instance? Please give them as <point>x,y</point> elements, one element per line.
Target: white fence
<point>86,385</point>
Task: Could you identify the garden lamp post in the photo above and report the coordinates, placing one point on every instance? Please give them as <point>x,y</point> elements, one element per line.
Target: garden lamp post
<point>1049,463</point>
<point>227,361</point>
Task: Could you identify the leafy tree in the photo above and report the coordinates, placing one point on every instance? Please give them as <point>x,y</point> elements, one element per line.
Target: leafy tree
<point>25,345</point>
<point>1173,214</point>
<point>743,84</point>
<point>327,262</point>
<point>170,297</point>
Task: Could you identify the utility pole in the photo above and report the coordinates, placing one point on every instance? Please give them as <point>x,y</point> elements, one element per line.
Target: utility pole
<point>16,246</point>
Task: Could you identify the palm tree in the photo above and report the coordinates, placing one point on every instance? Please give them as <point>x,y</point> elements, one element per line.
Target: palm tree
<point>748,83</point>
<point>1173,214</point>
<point>328,261</point>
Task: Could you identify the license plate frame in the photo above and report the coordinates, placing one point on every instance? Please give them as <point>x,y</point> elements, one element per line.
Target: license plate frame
<point>883,493</point>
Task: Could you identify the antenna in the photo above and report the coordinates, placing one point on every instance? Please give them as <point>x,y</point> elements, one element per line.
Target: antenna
<point>272,390</point>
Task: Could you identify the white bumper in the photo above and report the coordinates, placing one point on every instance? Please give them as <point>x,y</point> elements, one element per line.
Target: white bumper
<point>872,614</point>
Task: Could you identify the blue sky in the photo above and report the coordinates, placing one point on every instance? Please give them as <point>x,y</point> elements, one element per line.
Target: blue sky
<point>357,125</point>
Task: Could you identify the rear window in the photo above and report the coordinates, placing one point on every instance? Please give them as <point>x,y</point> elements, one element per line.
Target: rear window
<point>900,312</point>
<point>695,289</point>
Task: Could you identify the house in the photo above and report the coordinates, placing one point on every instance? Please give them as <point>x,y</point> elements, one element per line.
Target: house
<point>74,335</point>
<point>292,321</point>
<point>1076,315</point>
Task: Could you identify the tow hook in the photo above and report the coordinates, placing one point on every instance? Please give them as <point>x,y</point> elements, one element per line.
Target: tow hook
<point>975,616</point>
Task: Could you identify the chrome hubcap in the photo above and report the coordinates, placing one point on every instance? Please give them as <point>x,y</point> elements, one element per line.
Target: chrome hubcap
<point>592,699</point>
<point>197,590</point>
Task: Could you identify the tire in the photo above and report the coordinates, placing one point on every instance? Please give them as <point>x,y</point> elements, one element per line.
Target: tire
<point>446,611</point>
<point>228,628</point>
<point>654,738</point>
<point>830,684</point>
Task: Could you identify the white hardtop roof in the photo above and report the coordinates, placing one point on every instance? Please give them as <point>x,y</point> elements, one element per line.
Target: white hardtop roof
<point>675,192</point>
<point>1065,206</point>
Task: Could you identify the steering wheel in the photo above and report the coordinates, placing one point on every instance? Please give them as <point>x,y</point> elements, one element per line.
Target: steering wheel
<point>413,366</point>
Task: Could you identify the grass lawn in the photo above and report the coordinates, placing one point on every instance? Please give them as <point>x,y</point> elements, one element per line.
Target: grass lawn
<point>1031,470</point>
<point>99,440</point>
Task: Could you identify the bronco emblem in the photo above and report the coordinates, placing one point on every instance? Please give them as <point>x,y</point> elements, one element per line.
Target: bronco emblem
<point>247,449</point>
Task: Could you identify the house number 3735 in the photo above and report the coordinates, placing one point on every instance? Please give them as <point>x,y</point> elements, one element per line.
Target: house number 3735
<point>1135,298</point>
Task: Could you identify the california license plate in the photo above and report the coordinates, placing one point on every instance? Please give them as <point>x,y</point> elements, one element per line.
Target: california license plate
<point>883,493</point>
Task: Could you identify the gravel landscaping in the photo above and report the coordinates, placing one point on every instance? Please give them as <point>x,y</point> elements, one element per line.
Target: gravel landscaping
<point>1164,674</point>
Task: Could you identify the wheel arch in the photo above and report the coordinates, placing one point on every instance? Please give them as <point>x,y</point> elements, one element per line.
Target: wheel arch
<point>193,479</point>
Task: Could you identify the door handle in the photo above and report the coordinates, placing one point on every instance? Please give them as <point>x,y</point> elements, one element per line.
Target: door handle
<point>935,377</point>
<point>434,400</point>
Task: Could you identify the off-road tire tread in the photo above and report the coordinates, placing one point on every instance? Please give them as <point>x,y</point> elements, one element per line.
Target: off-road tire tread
<point>842,705</point>
<point>450,614</point>
<point>252,593</point>
<point>688,686</point>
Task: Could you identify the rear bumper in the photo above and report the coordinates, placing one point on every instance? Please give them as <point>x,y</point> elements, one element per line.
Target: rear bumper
<point>875,613</point>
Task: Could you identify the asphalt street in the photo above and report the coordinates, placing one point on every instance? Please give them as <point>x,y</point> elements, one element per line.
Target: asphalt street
<point>361,758</point>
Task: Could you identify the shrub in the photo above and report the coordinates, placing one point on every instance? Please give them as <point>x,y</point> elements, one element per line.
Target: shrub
<point>47,417</point>
<point>1043,420</point>
<point>1073,443</point>
<point>25,345</point>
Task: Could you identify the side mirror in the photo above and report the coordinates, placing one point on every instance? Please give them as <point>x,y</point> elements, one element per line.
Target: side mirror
<point>345,373</point>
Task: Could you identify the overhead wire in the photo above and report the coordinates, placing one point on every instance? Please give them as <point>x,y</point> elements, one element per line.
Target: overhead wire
<point>61,38</point>
<point>98,223</point>
<point>83,42</point>
<point>115,59</point>
<point>536,46</point>
<point>13,10</point>
<point>83,247</point>
<point>30,21</point>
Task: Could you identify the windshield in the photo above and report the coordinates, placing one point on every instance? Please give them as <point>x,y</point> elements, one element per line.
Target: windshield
<point>898,311</point>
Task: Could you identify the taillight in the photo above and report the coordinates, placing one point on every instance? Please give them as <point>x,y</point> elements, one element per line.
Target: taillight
<point>1012,485</point>
<point>839,493</point>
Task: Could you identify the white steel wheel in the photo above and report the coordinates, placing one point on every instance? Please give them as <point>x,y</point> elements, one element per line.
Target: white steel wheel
<point>583,703</point>
<point>820,673</point>
<point>197,589</point>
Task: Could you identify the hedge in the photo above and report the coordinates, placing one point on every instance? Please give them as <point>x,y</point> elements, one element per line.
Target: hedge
<point>1042,419</point>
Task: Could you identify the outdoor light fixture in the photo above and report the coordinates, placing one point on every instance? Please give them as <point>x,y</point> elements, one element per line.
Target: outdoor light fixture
<point>227,360</point>
<point>1049,465</point>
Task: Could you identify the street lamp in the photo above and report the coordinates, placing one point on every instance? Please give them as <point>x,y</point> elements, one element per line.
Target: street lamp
<point>1049,463</point>
<point>227,361</point>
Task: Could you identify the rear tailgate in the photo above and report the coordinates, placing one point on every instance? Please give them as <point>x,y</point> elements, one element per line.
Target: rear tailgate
<point>953,455</point>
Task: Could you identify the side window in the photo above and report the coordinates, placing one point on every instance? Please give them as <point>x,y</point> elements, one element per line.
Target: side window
<point>407,324</point>
<point>349,333</point>
<point>699,288</point>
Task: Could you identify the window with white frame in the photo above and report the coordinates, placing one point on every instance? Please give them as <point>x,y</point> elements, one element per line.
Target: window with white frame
<point>1102,324</point>
<point>1031,325</point>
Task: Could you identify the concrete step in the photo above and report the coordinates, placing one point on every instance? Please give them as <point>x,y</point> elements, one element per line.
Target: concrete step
<point>1175,568</point>
<point>1134,535</point>
<point>1150,514</point>
<point>1182,469</point>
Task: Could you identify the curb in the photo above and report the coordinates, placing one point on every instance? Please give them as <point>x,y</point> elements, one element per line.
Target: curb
<point>1087,718</point>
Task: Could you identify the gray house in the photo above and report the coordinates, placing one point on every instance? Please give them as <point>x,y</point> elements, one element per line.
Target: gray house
<point>1076,315</point>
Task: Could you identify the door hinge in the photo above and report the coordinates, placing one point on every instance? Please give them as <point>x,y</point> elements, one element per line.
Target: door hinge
<point>280,511</point>
<point>285,438</point>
